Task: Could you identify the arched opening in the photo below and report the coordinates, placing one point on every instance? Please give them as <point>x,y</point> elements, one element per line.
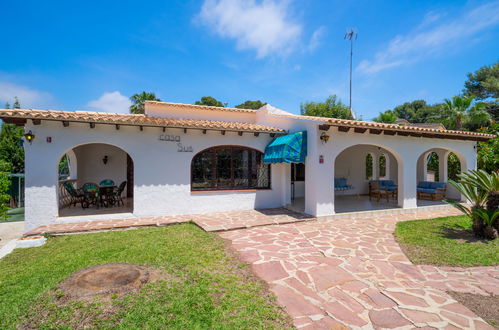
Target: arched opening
<point>434,168</point>
<point>384,166</point>
<point>369,167</point>
<point>365,178</point>
<point>453,166</point>
<point>229,168</point>
<point>95,179</point>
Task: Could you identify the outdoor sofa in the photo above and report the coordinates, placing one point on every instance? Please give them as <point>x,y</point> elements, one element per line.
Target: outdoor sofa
<point>431,190</point>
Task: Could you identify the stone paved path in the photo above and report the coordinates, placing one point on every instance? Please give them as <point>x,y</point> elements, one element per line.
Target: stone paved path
<point>218,221</point>
<point>347,273</point>
<point>353,274</point>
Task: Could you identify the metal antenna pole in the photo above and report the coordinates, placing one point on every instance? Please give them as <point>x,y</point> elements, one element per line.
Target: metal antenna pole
<point>351,35</point>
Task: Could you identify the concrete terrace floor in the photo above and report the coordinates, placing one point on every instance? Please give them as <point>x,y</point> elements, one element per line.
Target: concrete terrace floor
<point>10,230</point>
<point>345,273</point>
<point>360,203</point>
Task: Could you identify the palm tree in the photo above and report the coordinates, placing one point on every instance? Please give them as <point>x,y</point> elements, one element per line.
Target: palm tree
<point>481,189</point>
<point>138,101</point>
<point>387,117</point>
<point>460,110</point>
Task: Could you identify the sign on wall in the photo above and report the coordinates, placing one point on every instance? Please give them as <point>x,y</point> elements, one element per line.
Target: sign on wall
<point>176,138</point>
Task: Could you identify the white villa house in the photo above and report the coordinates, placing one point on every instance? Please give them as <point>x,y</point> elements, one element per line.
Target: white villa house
<point>179,159</point>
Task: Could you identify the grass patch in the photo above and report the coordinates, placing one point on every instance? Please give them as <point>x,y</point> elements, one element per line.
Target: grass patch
<point>445,241</point>
<point>212,289</point>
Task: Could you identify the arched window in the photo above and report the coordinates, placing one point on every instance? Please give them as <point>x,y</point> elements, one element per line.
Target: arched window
<point>229,167</point>
<point>369,167</point>
<point>433,166</point>
<point>382,166</point>
<point>453,166</point>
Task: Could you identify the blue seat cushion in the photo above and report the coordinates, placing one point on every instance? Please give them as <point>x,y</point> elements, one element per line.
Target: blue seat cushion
<point>424,184</point>
<point>436,185</point>
<point>388,188</point>
<point>340,182</point>
<point>426,190</point>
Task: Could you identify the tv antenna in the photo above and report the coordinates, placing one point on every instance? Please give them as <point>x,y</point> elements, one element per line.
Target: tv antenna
<point>351,35</point>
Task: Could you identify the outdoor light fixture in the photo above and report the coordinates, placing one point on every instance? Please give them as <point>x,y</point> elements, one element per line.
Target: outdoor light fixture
<point>324,137</point>
<point>29,136</point>
<point>105,159</point>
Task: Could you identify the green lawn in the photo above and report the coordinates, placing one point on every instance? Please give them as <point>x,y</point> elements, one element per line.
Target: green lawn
<point>445,241</point>
<point>211,288</point>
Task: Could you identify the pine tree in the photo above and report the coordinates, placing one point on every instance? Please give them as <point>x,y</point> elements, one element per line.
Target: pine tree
<point>16,105</point>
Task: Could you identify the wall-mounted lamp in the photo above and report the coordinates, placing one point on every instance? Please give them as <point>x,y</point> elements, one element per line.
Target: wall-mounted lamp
<point>105,159</point>
<point>29,137</point>
<point>324,137</point>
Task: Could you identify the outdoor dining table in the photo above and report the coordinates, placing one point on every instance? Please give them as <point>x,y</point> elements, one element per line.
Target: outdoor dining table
<point>106,195</point>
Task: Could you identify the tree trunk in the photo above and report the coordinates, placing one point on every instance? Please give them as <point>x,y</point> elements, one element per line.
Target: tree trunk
<point>459,123</point>
<point>490,232</point>
<point>493,204</point>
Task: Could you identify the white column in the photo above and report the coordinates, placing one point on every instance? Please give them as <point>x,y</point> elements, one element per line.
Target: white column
<point>407,182</point>
<point>443,168</point>
<point>319,178</point>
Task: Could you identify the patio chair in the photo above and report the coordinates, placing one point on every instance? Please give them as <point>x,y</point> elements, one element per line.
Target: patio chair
<point>76,196</point>
<point>118,193</point>
<point>340,184</point>
<point>90,194</point>
<point>376,190</point>
<point>106,183</point>
<point>389,186</point>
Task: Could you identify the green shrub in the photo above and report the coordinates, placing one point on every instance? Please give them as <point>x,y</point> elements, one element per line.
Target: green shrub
<point>4,187</point>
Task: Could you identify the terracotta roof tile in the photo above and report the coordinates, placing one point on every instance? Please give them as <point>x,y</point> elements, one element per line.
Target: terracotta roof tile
<point>135,120</point>
<point>181,106</point>
<point>394,127</point>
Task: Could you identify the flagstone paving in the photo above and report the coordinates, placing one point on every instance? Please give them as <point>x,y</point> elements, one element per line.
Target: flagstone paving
<point>345,273</point>
<point>217,221</point>
<point>352,274</point>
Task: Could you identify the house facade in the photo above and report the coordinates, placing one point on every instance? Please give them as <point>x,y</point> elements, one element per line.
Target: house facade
<point>182,159</point>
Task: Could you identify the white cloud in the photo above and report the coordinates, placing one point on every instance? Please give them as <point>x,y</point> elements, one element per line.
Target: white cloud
<point>264,26</point>
<point>315,40</point>
<point>112,102</point>
<point>429,39</point>
<point>28,97</point>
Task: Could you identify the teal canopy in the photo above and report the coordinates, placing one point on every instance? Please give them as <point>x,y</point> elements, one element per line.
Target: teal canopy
<point>291,148</point>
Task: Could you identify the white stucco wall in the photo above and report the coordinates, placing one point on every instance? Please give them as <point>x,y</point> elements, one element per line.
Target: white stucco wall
<point>405,150</point>
<point>162,174</point>
<point>173,111</point>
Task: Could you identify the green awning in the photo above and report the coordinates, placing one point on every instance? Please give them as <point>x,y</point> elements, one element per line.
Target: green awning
<point>291,148</point>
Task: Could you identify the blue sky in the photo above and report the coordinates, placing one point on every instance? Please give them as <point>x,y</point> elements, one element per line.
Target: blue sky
<point>92,55</point>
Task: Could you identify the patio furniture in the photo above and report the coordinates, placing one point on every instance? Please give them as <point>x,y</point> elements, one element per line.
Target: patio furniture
<point>118,193</point>
<point>340,184</point>
<point>90,194</point>
<point>431,190</point>
<point>106,183</point>
<point>76,196</point>
<point>107,195</point>
<point>386,185</point>
<point>376,190</point>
